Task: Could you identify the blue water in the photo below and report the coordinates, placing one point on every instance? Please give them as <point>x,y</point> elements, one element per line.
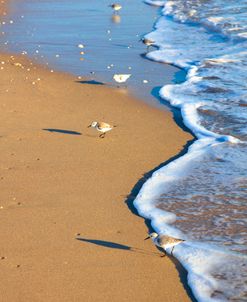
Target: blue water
<point>201,196</point>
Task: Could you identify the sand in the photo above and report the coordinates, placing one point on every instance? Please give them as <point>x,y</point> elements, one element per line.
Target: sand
<point>66,231</point>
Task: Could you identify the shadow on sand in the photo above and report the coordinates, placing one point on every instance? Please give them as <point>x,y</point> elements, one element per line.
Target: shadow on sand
<point>62,131</point>
<point>90,82</point>
<point>118,246</point>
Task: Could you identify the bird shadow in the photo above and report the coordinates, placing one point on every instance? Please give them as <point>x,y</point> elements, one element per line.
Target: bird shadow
<point>117,246</point>
<point>71,132</point>
<point>90,82</point>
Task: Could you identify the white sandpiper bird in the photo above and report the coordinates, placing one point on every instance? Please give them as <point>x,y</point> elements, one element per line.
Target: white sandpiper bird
<point>101,127</point>
<point>164,241</point>
<point>147,42</point>
<point>115,6</point>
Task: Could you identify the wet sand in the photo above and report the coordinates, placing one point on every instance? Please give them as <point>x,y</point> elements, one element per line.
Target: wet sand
<point>66,231</point>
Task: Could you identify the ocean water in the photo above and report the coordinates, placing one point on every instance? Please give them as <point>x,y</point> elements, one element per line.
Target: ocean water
<point>202,196</point>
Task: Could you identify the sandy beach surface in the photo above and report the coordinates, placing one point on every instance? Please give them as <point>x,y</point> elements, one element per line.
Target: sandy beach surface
<point>66,231</point>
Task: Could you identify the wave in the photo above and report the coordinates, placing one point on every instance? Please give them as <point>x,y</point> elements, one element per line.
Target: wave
<point>202,183</point>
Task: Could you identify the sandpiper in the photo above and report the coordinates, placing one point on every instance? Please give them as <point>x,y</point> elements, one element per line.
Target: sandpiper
<point>164,241</point>
<point>147,42</point>
<point>115,6</point>
<point>101,127</point>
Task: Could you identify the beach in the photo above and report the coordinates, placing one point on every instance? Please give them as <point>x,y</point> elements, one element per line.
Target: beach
<point>75,208</point>
<point>67,232</point>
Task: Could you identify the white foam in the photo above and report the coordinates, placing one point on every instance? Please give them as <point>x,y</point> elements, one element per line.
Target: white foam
<point>155,2</point>
<point>215,20</point>
<point>243,35</point>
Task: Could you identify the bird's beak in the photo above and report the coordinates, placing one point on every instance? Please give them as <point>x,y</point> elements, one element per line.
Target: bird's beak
<point>148,237</point>
<point>89,126</point>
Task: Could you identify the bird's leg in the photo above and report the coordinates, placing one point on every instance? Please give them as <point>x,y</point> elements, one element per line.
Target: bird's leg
<point>172,250</point>
<point>163,255</point>
<point>102,135</point>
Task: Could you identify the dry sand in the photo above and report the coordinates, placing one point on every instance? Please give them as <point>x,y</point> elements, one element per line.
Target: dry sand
<point>65,183</point>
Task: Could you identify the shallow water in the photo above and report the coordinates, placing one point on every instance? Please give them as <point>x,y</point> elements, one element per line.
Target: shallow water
<point>51,32</point>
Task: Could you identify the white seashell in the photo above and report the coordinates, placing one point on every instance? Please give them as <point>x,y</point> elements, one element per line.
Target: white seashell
<point>121,78</point>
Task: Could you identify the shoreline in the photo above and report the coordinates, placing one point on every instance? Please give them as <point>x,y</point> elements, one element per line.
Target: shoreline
<point>49,179</point>
<point>115,47</point>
